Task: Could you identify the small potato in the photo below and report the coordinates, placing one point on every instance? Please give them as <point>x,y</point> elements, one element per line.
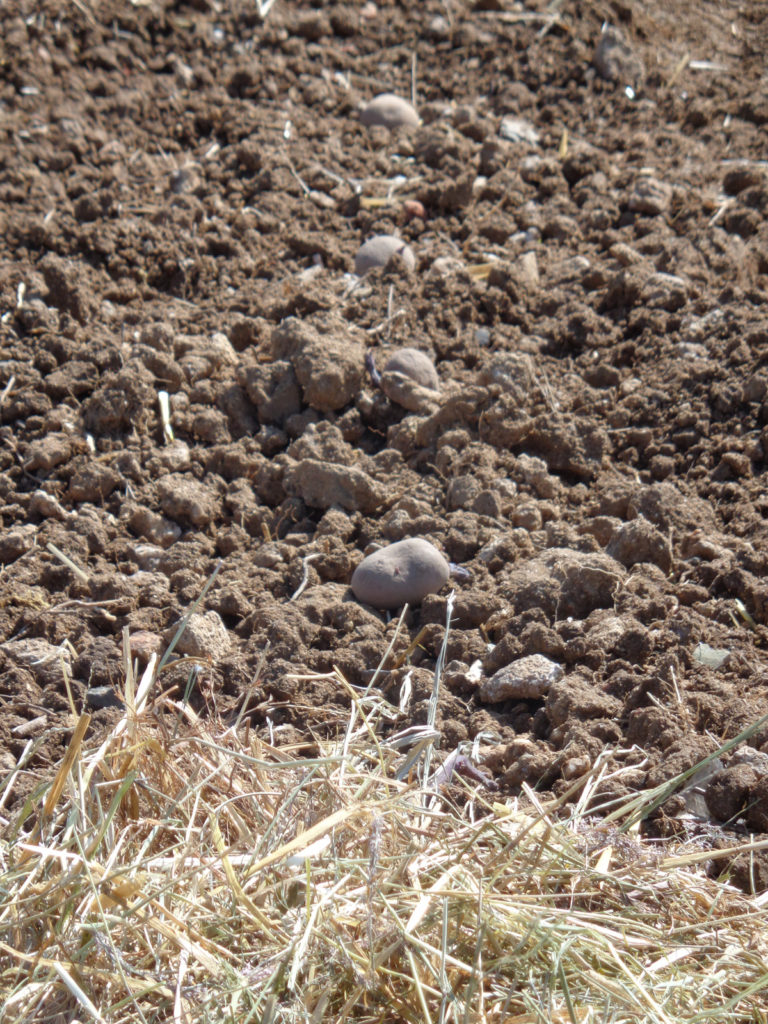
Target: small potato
<point>413,208</point>
<point>414,364</point>
<point>379,250</point>
<point>402,572</point>
<point>390,111</point>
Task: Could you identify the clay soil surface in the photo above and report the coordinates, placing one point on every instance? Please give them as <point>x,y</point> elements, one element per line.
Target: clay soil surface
<point>183,189</point>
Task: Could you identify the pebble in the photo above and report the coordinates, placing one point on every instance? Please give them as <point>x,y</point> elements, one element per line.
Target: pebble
<point>98,697</point>
<point>205,636</point>
<point>413,208</point>
<point>405,571</point>
<point>379,250</point>
<point>527,678</point>
<point>389,111</point>
<point>518,129</point>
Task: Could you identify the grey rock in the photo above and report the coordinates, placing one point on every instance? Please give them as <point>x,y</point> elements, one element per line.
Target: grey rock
<point>102,697</point>
<point>527,678</point>
<point>205,636</point>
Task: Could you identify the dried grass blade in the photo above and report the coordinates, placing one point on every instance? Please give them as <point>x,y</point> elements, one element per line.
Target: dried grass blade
<point>78,993</point>
<point>237,890</point>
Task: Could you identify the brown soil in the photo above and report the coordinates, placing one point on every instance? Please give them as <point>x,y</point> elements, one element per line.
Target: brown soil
<point>178,179</point>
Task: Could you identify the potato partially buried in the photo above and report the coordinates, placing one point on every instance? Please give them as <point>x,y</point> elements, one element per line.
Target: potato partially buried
<point>414,364</point>
<point>379,250</point>
<point>402,572</point>
<point>390,111</point>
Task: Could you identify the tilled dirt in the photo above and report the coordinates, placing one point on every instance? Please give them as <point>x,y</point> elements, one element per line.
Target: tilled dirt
<point>183,190</point>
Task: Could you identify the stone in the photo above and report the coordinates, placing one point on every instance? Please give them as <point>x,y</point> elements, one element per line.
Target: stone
<point>205,636</point>
<point>527,678</point>
<point>98,697</point>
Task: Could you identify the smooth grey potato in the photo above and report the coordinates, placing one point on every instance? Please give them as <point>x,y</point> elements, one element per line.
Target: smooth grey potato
<point>379,250</point>
<point>414,364</point>
<point>389,110</point>
<point>402,572</point>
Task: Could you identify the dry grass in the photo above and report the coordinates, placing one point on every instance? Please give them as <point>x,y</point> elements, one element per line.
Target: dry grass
<point>185,871</point>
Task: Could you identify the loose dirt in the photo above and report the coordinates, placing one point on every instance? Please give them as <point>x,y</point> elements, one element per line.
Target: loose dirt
<point>183,190</point>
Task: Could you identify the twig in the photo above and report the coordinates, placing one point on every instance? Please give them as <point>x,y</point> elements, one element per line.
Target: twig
<point>305,578</point>
<point>80,573</point>
<point>6,390</point>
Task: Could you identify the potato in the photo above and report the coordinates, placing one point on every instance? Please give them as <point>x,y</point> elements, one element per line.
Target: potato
<point>379,250</point>
<point>402,572</point>
<point>414,364</point>
<point>390,111</point>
